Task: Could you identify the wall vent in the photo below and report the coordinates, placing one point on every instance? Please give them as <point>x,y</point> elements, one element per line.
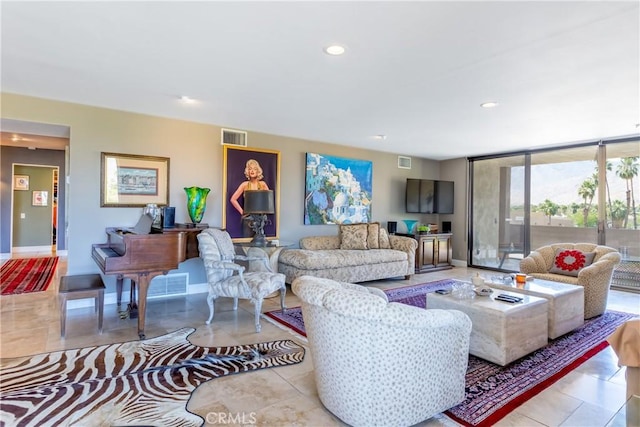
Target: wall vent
<point>404,162</point>
<point>234,137</point>
<point>168,285</point>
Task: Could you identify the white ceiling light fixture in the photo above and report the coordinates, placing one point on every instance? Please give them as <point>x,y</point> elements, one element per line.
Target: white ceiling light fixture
<point>489,104</point>
<point>335,50</point>
<point>380,137</point>
<point>187,99</point>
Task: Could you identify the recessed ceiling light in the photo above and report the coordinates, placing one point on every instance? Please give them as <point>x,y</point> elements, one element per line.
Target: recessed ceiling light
<point>490,104</point>
<point>187,100</point>
<point>381,137</point>
<point>334,49</point>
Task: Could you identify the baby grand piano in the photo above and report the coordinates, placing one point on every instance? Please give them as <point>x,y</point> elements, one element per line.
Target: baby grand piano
<point>139,257</point>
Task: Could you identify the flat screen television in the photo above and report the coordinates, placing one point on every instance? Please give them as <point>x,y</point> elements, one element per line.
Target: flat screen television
<point>429,196</point>
<point>444,197</point>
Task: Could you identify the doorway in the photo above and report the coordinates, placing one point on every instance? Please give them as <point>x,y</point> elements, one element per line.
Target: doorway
<point>37,145</point>
<point>35,208</point>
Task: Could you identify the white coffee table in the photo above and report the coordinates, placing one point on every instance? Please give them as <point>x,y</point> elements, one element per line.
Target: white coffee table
<point>501,332</point>
<point>566,302</point>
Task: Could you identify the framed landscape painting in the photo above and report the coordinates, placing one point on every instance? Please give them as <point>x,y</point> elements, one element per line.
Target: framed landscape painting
<point>236,161</point>
<point>338,190</point>
<point>129,180</point>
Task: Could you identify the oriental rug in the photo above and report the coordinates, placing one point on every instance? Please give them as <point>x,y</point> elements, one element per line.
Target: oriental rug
<point>492,391</point>
<point>23,275</point>
<point>133,383</point>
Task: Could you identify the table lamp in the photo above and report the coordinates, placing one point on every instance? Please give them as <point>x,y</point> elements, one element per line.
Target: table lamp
<point>257,204</point>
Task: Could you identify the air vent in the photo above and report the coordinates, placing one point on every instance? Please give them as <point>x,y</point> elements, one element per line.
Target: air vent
<point>234,137</point>
<point>167,285</point>
<point>404,162</point>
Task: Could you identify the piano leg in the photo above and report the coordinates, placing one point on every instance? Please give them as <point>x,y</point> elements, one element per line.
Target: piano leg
<point>133,305</point>
<point>143,286</point>
<point>119,281</point>
<point>142,303</point>
<point>142,280</point>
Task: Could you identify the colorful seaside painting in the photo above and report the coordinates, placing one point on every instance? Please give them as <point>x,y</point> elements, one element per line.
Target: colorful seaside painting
<point>338,190</point>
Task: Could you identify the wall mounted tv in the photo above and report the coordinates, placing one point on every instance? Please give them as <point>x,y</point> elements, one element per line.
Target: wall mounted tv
<point>429,196</point>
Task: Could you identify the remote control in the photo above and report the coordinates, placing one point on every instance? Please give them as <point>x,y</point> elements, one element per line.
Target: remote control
<point>508,298</point>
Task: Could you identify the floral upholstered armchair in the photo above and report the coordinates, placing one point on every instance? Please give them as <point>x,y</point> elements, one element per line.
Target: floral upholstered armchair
<point>228,279</point>
<point>378,363</point>
<point>583,264</point>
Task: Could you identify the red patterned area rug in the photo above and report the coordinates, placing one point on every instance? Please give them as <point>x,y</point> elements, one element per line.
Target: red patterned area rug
<point>23,275</point>
<point>492,391</point>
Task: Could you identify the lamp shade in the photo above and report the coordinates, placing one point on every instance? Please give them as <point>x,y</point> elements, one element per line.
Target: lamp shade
<point>258,202</point>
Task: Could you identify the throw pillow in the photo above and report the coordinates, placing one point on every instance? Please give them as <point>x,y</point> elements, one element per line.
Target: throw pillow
<point>384,239</point>
<point>353,236</point>
<point>570,261</point>
<point>373,235</point>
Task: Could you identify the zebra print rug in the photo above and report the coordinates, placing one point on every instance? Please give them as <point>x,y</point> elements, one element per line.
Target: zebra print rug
<point>133,383</point>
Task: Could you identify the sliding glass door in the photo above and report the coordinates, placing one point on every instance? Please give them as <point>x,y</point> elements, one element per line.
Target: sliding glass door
<point>622,193</point>
<point>498,212</point>
<point>584,193</point>
<point>564,196</point>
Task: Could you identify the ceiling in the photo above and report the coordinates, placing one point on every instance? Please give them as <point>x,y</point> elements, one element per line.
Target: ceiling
<point>415,72</point>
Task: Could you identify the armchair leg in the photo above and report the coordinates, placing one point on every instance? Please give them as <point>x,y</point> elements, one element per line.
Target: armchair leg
<point>283,292</point>
<point>235,304</point>
<point>257,310</point>
<point>210,299</point>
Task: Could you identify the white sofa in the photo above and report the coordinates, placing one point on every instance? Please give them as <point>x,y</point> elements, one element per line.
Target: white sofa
<point>378,363</point>
<point>325,256</point>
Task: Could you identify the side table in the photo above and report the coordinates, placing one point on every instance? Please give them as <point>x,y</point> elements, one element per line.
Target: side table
<point>272,252</point>
<point>627,275</point>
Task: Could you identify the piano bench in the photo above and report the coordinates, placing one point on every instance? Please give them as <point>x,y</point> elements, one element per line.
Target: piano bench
<point>81,287</point>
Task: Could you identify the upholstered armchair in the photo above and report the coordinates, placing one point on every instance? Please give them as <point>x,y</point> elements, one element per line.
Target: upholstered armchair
<point>554,263</point>
<point>228,279</point>
<point>378,363</point>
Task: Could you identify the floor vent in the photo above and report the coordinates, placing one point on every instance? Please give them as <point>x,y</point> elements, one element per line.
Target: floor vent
<point>170,284</point>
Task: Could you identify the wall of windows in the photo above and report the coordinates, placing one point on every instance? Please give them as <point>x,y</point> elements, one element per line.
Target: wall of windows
<point>583,193</point>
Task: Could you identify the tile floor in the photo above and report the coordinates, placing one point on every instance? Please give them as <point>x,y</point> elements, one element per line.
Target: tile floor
<point>592,395</point>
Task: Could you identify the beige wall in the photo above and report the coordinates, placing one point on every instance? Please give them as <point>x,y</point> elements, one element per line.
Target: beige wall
<point>457,170</point>
<point>196,160</point>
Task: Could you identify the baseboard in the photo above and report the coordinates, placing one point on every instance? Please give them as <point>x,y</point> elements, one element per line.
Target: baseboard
<point>458,263</point>
<point>25,249</point>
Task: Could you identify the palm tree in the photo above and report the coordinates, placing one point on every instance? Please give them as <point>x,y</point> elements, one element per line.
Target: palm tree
<point>618,213</point>
<point>548,208</point>
<point>574,207</point>
<point>627,169</point>
<point>587,191</point>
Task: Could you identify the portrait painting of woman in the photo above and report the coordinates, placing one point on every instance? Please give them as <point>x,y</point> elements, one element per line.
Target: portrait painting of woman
<point>247,169</point>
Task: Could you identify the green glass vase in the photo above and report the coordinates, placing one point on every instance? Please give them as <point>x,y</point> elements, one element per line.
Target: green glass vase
<point>196,202</point>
